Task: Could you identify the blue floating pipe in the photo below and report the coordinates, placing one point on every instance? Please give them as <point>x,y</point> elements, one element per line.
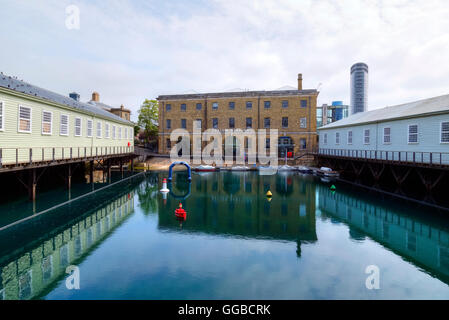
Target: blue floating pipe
<point>170,170</point>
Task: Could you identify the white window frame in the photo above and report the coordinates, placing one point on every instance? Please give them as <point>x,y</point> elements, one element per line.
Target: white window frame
<point>366,136</point>
<point>2,114</point>
<point>441,132</point>
<point>91,122</point>
<point>337,138</point>
<point>325,138</point>
<point>60,125</point>
<point>417,133</point>
<point>99,133</point>
<point>126,132</point>
<point>131,134</point>
<point>107,134</point>
<point>113,131</point>
<point>350,133</point>
<point>31,120</point>
<point>51,123</point>
<point>305,122</point>
<point>81,127</point>
<point>119,133</point>
<point>384,135</point>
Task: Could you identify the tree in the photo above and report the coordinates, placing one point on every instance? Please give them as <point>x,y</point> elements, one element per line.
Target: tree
<point>148,119</point>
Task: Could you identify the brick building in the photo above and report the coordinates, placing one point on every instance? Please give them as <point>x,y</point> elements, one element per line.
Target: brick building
<point>291,111</point>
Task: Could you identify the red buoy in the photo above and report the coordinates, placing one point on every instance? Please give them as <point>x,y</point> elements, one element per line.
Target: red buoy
<point>180,212</point>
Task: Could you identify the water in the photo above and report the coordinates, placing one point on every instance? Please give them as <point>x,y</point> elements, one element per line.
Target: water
<point>308,242</point>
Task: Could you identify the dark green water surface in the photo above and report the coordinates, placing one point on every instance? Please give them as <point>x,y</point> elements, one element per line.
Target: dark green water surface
<point>308,242</point>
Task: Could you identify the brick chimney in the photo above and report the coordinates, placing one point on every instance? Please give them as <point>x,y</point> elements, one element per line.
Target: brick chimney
<point>95,96</point>
<point>299,81</point>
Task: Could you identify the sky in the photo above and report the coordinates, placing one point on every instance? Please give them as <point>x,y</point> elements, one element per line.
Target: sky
<point>132,50</point>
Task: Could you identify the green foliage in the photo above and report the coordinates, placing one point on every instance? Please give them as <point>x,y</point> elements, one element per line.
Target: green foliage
<point>148,118</point>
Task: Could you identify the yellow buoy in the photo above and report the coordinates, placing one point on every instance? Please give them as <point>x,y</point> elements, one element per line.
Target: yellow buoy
<point>269,194</point>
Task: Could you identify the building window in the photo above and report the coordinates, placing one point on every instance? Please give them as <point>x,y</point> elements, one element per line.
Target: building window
<point>47,122</point>
<point>99,129</point>
<point>119,133</point>
<point>387,135</point>
<point>267,104</point>
<point>64,125</point>
<point>168,141</point>
<point>249,123</point>
<point>215,106</point>
<point>267,123</point>
<point>167,107</point>
<point>231,105</point>
<point>249,105</point>
<point>337,137</point>
<point>303,143</point>
<point>89,128</point>
<point>24,119</point>
<point>215,123</point>
<point>284,122</point>
<point>325,138</point>
<point>168,123</point>
<point>183,107</point>
<point>130,133</point>
<point>267,143</point>
<point>125,131</point>
<point>198,123</point>
<point>285,104</point>
<point>413,133</point>
<point>78,127</point>
<point>366,136</point>
<point>106,130</point>
<point>303,103</point>
<point>199,106</point>
<point>349,137</point>
<point>2,116</point>
<point>303,123</point>
<point>445,132</point>
<point>183,123</point>
<point>113,131</point>
<point>231,123</point>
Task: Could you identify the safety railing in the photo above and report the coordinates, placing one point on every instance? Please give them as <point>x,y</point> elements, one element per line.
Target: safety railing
<point>21,156</point>
<point>415,157</point>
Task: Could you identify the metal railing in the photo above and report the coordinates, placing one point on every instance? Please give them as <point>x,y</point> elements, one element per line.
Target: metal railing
<point>415,157</point>
<point>22,156</point>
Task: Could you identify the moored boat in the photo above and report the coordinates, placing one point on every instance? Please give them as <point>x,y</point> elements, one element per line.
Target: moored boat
<point>204,168</point>
<point>304,169</point>
<point>327,172</point>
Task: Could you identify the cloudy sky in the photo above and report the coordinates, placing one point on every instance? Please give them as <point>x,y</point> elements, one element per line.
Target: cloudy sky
<point>132,50</point>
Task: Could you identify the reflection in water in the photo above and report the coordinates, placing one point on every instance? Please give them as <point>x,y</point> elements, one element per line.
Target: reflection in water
<point>242,211</point>
<point>423,242</point>
<point>35,271</point>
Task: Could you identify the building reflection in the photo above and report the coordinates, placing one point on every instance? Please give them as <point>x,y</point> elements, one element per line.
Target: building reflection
<point>33,272</point>
<point>422,240</point>
<point>234,204</point>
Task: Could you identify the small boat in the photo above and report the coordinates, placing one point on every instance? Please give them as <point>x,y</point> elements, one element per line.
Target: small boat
<point>304,169</point>
<point>204,168</point>
<point>327,172</point>
<point>268,170</point>
<point>286,168</point>
<point>240,168</point>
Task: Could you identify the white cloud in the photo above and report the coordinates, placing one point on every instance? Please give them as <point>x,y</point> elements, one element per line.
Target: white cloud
<point>129,51</point>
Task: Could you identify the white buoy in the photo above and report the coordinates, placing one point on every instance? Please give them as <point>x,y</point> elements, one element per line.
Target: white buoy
<point>164,186</point>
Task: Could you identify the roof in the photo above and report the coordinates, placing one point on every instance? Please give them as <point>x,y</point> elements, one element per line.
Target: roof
<point>414,109</point>
<point>34,91</point>
<point>238,94</point>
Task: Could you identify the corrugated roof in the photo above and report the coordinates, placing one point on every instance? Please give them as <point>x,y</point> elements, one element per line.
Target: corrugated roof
<point>31,90</point>
<point>407,110</point>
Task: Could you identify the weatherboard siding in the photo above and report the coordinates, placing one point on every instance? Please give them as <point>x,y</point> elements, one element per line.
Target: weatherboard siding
<point>11,138</point>
<point>429,136</point>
